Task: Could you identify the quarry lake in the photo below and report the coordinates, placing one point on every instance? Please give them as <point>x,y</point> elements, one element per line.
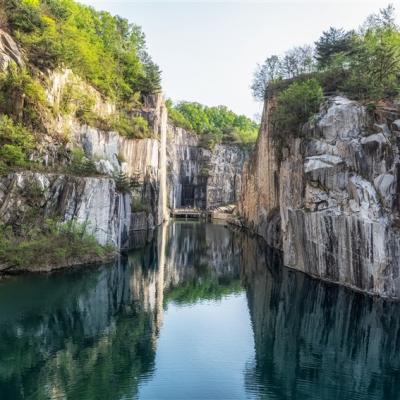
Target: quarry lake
<point>198,311</point>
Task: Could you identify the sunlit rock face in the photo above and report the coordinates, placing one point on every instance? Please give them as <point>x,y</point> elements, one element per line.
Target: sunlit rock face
<point>336,195</point>
<point>259,203</point>
<point>93,202</point>
<point>9,51</point>
<point>108,212</point>
<point>142,160</point>
<point>200,177</point>
<point>308,333</point>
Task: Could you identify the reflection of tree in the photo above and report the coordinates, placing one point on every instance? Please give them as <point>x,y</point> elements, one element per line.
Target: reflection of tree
<point>202,289</point>
<point>317,341</point>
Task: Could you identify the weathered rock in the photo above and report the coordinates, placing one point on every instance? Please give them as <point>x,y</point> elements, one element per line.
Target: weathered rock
<point>259,204</point>
<point>9,51</point>
<point>199,177</point>
<point>91,201</point>
<point>337,198</point>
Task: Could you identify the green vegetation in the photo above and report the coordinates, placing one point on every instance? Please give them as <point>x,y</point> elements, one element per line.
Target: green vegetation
<point>363,65</point>
<point>139,206</point>
<point>76,101</point>
<point>82,165</point>
<point>214,124</point>
<point>132,127</point>
<point>49,244</point>
<point>296,104</point>
<point>107,51</point>
<point>22,97</point>
<point>15,144</point>
<point>201,289</point>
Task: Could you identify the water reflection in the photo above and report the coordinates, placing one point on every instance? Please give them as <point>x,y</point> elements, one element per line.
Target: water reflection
<point>92,333</point>
<point>317,341</point>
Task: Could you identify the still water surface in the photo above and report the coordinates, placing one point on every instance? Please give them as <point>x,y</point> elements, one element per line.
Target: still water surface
<point>199,312</point>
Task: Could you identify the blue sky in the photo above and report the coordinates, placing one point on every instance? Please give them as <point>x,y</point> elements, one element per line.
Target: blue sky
<point>208,50</point>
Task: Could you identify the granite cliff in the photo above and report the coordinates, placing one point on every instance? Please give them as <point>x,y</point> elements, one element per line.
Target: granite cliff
<point>330,200</point>
<point>169,168</point>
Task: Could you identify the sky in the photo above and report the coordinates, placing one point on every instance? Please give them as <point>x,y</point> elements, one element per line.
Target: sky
<point>208,50</point>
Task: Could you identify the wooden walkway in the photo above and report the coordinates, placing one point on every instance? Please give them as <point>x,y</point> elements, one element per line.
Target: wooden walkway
<point>189,213</point>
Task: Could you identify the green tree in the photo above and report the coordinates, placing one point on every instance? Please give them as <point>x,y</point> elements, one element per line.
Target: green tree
<point>375,65</point>
<point>296,105</point>
<point>215,124</point>
<point>332,43</point>
<point>108,51</point>
<point>266,73</point>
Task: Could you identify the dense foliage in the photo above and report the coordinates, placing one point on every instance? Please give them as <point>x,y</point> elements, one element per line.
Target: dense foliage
<point>296,104</point>
<point>215,124</point>
<point>363,65</point>
<point>21,96</point>
<point>15,144</point>
<point>49,244</point>
<point>108,51</point>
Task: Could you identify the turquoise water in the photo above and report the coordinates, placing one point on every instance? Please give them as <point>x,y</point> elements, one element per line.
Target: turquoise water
<point>198,312</point>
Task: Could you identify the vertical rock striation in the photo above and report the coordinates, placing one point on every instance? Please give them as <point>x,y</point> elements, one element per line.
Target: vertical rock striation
<point>259,204</point>
<point>336,194</point>
<point>200,177</point>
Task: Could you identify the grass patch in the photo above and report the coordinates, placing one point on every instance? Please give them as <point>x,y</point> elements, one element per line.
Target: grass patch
<point>48,246</point>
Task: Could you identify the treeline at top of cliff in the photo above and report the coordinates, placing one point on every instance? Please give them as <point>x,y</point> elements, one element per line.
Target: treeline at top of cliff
<point>361,64</point>
<point>213,124</point>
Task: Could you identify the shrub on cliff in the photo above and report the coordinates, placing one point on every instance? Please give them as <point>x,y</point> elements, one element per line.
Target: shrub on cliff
<point>296,105</point>
<point>22,96</point>
<point>132,127</point>
<point>81,165</point>
<point>15,144</point>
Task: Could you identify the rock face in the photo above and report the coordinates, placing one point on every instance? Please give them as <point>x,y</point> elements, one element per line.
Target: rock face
<point>140,159</point>
<point>199,177</point>
<point>9,51</point>
<point>335,195</point>
<point>109,213</point>
<point>94,202</point>
<point>259,205</point>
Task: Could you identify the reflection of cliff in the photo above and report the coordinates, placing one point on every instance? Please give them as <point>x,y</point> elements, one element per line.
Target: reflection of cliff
<point>86,335</point>
<point>199,252</point>
<point>93,333</point>
<point>315,341</point>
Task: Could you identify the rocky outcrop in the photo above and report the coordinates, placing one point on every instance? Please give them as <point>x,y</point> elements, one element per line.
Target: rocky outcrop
<point>200,177</point>
<point>197,177</point>
<point>9,51</point>
<point>142,160</point>
<point>335,194</point>
<point>92,201</point>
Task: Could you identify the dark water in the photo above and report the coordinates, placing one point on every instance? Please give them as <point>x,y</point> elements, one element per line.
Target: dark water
<point>200,312</point>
